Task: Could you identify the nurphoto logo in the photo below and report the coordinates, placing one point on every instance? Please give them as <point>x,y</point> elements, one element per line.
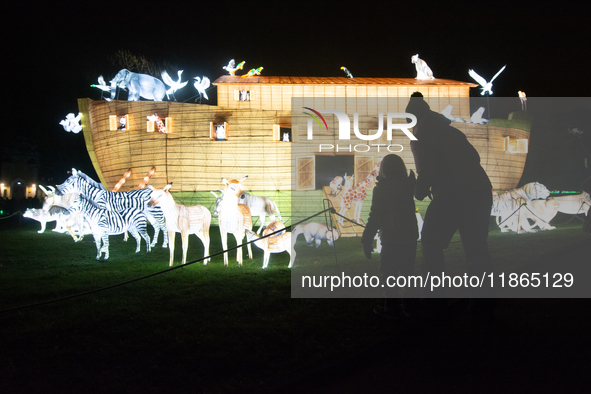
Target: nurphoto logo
<point>345,128</point>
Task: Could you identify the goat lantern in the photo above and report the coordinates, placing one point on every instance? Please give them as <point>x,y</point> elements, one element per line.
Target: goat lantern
<point>234,218</point>
<point>277,243</point>
<point>259,206</point>
<point>182,219</point>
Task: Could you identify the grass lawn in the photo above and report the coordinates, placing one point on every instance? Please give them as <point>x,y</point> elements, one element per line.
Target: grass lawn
<point>199,328</point>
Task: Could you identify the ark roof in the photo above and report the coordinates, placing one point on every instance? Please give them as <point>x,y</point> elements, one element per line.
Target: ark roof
<point>229,79</point>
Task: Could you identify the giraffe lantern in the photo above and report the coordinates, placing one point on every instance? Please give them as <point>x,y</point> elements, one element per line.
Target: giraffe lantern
<point>356,195</point>
<point>233,217</point>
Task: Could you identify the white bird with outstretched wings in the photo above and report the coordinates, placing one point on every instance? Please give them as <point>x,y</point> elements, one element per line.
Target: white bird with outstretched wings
<point>174,85</point>
<point>486,86</point>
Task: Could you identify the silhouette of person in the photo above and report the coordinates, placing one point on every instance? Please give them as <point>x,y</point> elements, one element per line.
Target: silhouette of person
<point>393,213</point>
<point>449,170</point>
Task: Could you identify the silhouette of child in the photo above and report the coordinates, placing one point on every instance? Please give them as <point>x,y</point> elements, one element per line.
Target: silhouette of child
<point>393,213</point>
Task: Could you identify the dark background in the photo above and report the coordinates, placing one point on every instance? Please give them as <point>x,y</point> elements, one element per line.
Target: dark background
<point>54,50</point>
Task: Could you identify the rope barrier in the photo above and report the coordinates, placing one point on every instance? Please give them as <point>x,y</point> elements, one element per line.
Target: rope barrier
<point>153,274</point>
<point>329,209</point>
<point>9,216</point>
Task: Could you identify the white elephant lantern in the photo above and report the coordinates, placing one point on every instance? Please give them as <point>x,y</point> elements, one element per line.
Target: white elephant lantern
<point>138,85</point>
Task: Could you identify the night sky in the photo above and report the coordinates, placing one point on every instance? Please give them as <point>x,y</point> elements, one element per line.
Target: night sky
<point>54,50</point>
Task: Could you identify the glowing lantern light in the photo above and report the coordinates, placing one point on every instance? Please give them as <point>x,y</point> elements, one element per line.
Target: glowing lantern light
<point>118,122</point>
<point>423,70</point>
<point>253,72</point>
<point>513,145</point>
<point>101,84</point>
<point>162,127</point>
<point>232,67</point>
<point>201,85</point>
<point>486,86</point>
<point>143,183</point>
<point>122,180</point>
<point>174,85</point>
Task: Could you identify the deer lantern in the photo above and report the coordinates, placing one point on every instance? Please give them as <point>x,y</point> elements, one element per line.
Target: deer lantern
<point>233,217</point>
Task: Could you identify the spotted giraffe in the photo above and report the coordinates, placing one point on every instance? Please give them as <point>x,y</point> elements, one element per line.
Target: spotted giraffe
<point>356,195</point>
<point>158,122</point>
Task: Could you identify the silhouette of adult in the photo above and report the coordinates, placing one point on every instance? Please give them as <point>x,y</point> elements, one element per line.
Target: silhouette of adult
<point>449,171</point>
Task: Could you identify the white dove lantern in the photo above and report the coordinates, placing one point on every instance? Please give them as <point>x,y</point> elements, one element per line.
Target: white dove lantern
<point>486,86</point>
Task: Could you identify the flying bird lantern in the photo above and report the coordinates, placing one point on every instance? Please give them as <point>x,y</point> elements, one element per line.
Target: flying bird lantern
<point>486,86</point>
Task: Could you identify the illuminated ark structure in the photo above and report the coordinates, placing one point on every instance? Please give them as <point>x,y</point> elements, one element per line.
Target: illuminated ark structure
<point>255,114</point>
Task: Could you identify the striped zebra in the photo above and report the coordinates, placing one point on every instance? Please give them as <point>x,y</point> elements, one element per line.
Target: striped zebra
<point>104,223</point>
<point>139,199</point>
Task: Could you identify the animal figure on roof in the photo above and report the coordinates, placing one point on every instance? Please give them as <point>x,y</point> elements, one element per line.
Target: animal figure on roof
<point>138,85</point>
<point>423,71</point>
<point>101,84</point>
<point>486,86</point>
<point>253,72</point>
<point>174,85</point>
<point>349,75</point>
<point>201,85</point>
<point>232,67</point>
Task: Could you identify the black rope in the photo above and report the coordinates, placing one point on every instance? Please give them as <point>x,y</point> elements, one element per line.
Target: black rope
<point>9,216</point>
<point>327,219</point>
<point>153,274</point>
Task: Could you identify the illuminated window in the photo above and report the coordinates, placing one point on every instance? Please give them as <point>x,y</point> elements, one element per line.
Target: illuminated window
<point>155,123</point>
<point>243,95</point>
<point>218,131</point>
<point>514,145</point>
<point>282,134</point>
<point>118,122</point>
